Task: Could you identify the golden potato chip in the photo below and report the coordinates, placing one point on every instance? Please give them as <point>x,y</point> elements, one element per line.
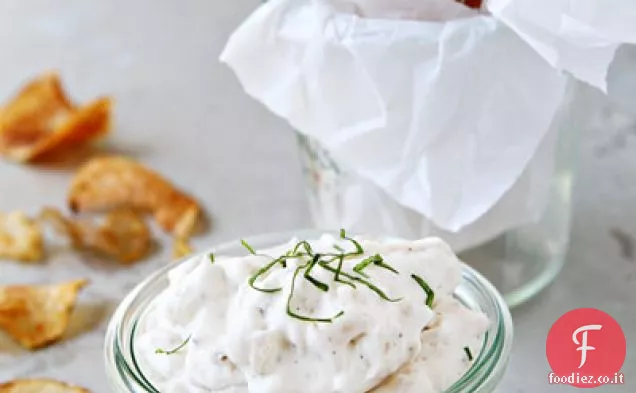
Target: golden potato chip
<point>39,386</point>
<point>181,248</point>
<point>123,235</point>
<point>37,315</point>
<point>41,119</point>
<point>108,182</point>
<point>20,238</point>
<point>61,224</point>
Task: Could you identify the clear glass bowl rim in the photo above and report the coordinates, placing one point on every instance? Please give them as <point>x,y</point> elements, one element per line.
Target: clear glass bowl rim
<point>475,291</point>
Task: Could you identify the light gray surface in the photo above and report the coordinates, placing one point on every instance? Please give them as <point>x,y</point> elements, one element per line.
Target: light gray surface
<point>183,113</point>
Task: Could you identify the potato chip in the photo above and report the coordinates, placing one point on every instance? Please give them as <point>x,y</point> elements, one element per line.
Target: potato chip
<point>39,386</point>
<point>108,182</point>
<point>181,248</point>
<point>20,238</point>
<point>37,315</point>
<point>41,119</point>
<point>123,235</point>
<point>62,225</point>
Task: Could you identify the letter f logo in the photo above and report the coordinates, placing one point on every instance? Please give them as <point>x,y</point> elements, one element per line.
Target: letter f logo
<point>583,344</point>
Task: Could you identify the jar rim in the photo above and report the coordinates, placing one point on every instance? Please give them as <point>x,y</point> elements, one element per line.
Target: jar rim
<point>475,292</point>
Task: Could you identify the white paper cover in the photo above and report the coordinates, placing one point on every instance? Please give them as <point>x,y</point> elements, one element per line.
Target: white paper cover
<point>443,115</point>
<point>579,36</point>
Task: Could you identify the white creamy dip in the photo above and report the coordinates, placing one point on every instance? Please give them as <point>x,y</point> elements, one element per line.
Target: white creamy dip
<point>232,338</point>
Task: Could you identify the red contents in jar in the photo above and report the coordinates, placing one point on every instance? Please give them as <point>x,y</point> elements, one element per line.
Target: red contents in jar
<point>472,3</point>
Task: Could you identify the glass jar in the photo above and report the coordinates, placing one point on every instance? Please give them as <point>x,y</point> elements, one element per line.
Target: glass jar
<point>520,262</point>
<point>126,376</point>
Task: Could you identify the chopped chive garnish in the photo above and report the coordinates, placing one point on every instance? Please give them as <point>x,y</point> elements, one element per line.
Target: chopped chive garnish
<point>468,354</point>
<point>430,295</point>
<point>385,266</point>
<point>175,350</point>
<point>302,250</point>
<point>377,290</point>
<point>259,273</point>
<point>376,260</point>
<point>305,244</point>
<point>363,282</point>
<point>362,265</point>
<point>292,314</point>
<point>359,250</point>
<point>249,248</point>
<point>339,270</point>
<point>319,284</point>
<point>211,256</point>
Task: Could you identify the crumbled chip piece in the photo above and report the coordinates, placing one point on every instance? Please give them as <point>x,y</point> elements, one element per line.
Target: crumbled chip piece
<point>20,238</point>
<point>41,119</point>
<point>39,386</point>
<point>108,182</point>
<point>123,235</point>
<point>62,225</point>
<point>37,315</point>
<point>181,248</point>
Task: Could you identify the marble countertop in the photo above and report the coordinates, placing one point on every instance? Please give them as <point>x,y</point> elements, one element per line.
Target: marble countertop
<point>183,113</point>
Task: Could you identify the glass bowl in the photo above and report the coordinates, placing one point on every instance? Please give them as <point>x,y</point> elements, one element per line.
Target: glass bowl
<point>126,376</point>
